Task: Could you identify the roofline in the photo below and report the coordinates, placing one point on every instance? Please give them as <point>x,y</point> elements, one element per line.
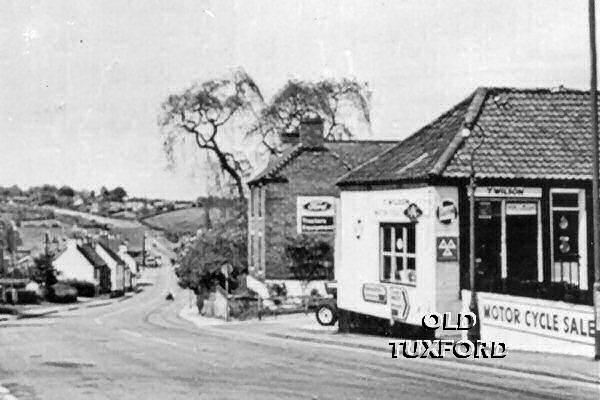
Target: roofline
<point>470,119</point>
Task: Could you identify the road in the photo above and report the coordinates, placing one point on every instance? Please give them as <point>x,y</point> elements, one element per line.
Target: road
<point>141,349</point>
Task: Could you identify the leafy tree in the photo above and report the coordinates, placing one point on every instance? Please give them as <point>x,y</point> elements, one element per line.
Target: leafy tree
<point>117,194</point>
<point>66,191</point>
<point>200,267</point>
<point>204,112</point>
<point>43,271</point>
<point>332,100</point>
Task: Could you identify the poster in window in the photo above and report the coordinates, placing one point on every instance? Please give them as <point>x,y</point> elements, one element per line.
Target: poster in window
<point>566,235</point>
<point>315,214</point>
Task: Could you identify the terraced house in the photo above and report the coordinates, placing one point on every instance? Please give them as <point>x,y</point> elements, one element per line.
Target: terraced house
<point>296,194</point>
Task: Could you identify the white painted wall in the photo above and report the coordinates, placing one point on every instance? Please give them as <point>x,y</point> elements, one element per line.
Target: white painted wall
<point>73,265</point>
<point>130,263</point>
<point>116,270</point>
<point>358,261</point>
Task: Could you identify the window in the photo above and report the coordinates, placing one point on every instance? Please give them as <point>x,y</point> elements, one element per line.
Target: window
<point>568,257</point>
<point>259,255</point>
<point>252,201</point>
<point>261,195</point>
<point>397,253</point>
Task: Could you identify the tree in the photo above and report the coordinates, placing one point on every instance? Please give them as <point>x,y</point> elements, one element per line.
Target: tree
<point>66,191</point>
<point>117,194</point>
<point>43,271</point>
<point>204,111</point>
<point>334,101</point>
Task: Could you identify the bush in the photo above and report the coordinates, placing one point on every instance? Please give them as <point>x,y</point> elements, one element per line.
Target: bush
<point>310,257</point>
<point>62,293</point>
<point>84,288</point>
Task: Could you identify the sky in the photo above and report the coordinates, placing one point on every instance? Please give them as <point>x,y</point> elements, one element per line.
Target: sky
<point>81,82</point>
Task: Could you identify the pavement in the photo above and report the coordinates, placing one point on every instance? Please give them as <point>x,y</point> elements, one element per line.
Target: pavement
<point>144,348</point>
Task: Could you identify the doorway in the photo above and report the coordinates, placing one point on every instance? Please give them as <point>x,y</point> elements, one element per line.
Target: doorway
<point>522,241</point>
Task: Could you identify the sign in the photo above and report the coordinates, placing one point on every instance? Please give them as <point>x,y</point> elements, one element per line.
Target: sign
<point>447,212</point>
<point>507,191</point>
<point>399,304</point>
<point>544,318</point>
<point>374,292</point>
<point>315,214</point>
<point>447,248</point>
<point>521,208</point>
<point>413,212</point>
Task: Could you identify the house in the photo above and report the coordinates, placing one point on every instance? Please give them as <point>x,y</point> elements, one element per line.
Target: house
<point>118,269</point>
<point>131,264</point>
<point>404,246</point>
<point>80,262</point>
<point>296,194</point>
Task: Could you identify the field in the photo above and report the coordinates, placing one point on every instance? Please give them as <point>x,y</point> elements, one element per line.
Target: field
<point>188,220</point>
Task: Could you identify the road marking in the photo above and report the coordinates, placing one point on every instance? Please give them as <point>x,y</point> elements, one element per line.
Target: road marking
<point>164,341</point>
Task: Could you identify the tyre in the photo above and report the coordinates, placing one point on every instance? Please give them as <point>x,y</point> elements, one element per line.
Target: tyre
<point>326,315</point>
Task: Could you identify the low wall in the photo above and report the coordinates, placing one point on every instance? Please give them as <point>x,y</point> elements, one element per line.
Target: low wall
<point>525,323</point>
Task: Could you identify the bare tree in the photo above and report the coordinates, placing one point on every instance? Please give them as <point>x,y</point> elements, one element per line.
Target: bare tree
<point>204,111</point>
<point>297,100</point>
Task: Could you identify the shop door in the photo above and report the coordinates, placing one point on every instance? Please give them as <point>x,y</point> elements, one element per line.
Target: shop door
<point>522,241</point>
<point>488,234</point>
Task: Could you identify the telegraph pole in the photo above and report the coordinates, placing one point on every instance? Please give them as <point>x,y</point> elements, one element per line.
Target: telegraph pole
<point>595,192</point>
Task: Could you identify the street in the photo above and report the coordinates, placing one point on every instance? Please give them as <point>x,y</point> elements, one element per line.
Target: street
<point>141,349</point>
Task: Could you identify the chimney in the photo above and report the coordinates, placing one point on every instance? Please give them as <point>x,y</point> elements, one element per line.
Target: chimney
<point>311,132</point>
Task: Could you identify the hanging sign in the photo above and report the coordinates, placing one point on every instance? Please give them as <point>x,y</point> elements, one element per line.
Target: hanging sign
<point>399,304</point>
<point>315,214</point>
<point>447,248</point>
<point>374,293</point>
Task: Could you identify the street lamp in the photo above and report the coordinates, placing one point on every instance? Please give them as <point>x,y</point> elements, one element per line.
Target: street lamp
<point>474,333</point>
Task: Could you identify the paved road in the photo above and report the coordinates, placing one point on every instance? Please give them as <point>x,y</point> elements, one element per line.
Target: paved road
<point>141,349</point>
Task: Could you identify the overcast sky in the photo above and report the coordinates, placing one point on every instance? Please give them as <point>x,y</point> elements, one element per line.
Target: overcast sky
<point>81,82</point>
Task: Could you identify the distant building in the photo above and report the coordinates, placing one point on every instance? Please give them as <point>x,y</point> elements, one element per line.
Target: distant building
<point>80,262</point>
<point>117,266</point>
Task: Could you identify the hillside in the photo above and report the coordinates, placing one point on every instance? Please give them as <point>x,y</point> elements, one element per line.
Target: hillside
<point>182,221</point>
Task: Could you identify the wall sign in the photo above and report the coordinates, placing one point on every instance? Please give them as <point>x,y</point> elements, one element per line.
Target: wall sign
<point>315,214</point>
<point>521,208</point>
<point>447,212</point>
<point>447,248</point>
<point>507,191</point>
<point>399,304</point>
<point>374,292</point>
<point>541,317</point>
<point>413,212</point>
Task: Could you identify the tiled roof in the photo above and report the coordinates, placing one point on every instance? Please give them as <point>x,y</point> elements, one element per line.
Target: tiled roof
<point>112,248</point>
<point>351,153</point>
<point>528,134</point>
<point>90,254</point>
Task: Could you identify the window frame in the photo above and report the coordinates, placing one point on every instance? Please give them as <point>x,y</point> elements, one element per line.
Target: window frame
<point>394,253</point>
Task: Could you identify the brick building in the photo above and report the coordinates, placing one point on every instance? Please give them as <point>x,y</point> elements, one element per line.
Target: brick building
<point>306,171</point>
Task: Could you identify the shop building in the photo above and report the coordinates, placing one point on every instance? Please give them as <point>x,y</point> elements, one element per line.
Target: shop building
<point>297,194</point>
<point>404,243</point>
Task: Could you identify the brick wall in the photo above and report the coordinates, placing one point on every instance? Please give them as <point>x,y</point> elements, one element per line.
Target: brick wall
<point>312,173</point>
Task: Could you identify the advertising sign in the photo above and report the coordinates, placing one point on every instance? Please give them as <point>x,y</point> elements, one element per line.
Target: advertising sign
<point>447,248</point>
<point>399,304</point>
<point>315,214</point>
<point>544,318</point>
<point>447,212</point>
<point>374,293</point>
<point>521,208</point>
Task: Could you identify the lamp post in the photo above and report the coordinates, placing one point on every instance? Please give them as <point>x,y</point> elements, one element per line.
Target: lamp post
<point>595,194</point>
<point>473,333</point>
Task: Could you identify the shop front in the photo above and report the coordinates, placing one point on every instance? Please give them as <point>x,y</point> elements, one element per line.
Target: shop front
<point>405,222</point>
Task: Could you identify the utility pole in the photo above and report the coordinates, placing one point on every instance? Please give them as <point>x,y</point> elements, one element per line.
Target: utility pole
<point>595,191</point>
<point>144,250</point>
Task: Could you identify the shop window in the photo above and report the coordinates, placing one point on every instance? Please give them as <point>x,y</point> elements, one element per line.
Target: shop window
<point>397,253</point>
<point>567,254</point>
